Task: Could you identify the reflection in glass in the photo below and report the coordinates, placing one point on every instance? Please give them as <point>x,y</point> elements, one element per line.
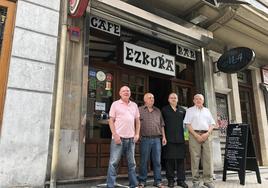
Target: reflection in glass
<point>3,14</point>
<point>136,84</point>
<point>100,98</point>
<point>183,95</point>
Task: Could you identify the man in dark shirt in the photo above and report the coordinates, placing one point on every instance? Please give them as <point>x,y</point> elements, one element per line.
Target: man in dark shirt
<point>174,151</point>
<point>152,136</point>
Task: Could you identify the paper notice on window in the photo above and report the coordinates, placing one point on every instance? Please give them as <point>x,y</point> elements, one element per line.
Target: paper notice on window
<point>100,106</point>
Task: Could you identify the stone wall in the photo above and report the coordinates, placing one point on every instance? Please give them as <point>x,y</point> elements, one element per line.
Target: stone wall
<point>28,105</point>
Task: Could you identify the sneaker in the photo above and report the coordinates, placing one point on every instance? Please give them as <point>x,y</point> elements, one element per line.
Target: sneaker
<point>209,185</point>
<point>182,184</point>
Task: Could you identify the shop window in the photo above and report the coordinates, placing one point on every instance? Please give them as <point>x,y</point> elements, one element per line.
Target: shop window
<point>100,98</point>
<point>222,113</point>
<point>102,50</point>
<point>244,77</point>
<point>184,71</point>
<point>136,84</point>
<point>245,106</point>
<point>3,15</point>
<point>185,93</point>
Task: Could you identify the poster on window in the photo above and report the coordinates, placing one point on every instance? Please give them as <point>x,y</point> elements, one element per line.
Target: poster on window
<point>222,113</point>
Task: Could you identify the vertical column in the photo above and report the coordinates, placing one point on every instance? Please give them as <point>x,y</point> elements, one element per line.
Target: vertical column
<point>234,99</point>
<point>209,92</point>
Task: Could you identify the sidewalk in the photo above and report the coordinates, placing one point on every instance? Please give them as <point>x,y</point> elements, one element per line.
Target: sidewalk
<point>232,181</point>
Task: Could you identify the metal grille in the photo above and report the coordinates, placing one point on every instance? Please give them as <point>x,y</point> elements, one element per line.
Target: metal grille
<point>3,15</point>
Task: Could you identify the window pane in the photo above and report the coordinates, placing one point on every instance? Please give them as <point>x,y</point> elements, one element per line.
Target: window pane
<point>100,98</point>
<point>3,14</point>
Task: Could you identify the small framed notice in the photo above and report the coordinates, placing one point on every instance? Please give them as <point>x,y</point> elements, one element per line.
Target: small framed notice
<point>100,106</point>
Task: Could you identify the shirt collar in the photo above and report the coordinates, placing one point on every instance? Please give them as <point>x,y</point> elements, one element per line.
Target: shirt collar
<point>198,107</point>
<point>145,107</point>
<point>172,108</point>
<point>122,102</point>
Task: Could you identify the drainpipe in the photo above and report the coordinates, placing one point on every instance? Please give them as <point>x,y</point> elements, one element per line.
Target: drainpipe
<point>59,94</point>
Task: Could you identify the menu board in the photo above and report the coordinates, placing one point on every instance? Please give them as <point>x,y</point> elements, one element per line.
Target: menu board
<point>239,152</point>
<point>236,142</point>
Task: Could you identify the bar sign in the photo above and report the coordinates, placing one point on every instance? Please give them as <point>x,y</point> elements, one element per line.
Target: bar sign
<point>185,52</point>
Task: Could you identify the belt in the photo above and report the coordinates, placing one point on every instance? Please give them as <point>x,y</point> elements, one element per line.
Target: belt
<point>126,138</point>
<point>201,131</point>
<point>153,136</point>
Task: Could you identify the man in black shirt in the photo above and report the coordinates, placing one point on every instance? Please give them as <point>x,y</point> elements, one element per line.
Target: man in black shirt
<point>174,151</point>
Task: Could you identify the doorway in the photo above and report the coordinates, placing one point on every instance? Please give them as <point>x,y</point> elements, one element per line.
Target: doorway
<point>160,88</point>
<point>248,111</point>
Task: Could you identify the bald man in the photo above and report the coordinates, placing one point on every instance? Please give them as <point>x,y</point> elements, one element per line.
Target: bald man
<point>124,123</point>
<point>152,137</point>
<point>174,151</point>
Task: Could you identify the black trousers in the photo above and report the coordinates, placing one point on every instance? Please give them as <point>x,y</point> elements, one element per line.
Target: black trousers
<point>173,165</point>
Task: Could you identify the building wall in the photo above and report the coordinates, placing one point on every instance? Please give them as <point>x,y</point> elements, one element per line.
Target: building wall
<point>228,84</point>
<point>260,113</point>
<point>71,155</point>
<point>28,105</point>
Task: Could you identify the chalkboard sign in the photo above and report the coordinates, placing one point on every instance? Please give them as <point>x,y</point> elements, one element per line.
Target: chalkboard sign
<point>239,152</point>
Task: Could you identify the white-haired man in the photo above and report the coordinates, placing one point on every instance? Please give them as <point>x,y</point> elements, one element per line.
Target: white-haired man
<point>200,123</point>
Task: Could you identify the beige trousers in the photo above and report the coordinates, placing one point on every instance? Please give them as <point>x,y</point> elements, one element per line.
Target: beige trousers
<point>201,151</point>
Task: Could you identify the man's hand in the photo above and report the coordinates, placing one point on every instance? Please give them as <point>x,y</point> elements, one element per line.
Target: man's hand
<point>136,138</point>
<point>199,138</point>
<point>205,136</point>
<point>164,141</point>
<point>117,139</point>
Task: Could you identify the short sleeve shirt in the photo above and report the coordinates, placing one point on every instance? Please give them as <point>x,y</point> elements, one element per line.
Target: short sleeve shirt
<point>200,119</point>
<point>151,122</point>
<point>124,115</point>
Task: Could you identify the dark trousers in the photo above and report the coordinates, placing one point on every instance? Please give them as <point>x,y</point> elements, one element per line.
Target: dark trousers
<point>173,165</point>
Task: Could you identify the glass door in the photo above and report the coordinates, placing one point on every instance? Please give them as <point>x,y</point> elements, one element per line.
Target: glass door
<point>101,84</point>
<point>100,98</point>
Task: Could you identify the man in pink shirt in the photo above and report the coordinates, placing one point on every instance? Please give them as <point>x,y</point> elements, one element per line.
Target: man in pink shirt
<point>124,123</point>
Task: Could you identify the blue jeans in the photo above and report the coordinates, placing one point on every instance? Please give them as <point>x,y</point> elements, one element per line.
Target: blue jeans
<point>150,147</point>
<point>127,147</point>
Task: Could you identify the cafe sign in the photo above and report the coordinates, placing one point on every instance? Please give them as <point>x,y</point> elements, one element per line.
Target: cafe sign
<point>144,58</point>
<point>104,25</point>
<point>236,59</point>
<point>77,7</point>
<point>185,52</point>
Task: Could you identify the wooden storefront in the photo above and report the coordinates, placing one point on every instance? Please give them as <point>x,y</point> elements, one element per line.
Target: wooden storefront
<point>107,73</point>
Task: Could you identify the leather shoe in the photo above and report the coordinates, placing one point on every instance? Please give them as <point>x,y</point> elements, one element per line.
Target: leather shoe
<point>209,185</point>
<point>182,184</point>
<point>170,183</point>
